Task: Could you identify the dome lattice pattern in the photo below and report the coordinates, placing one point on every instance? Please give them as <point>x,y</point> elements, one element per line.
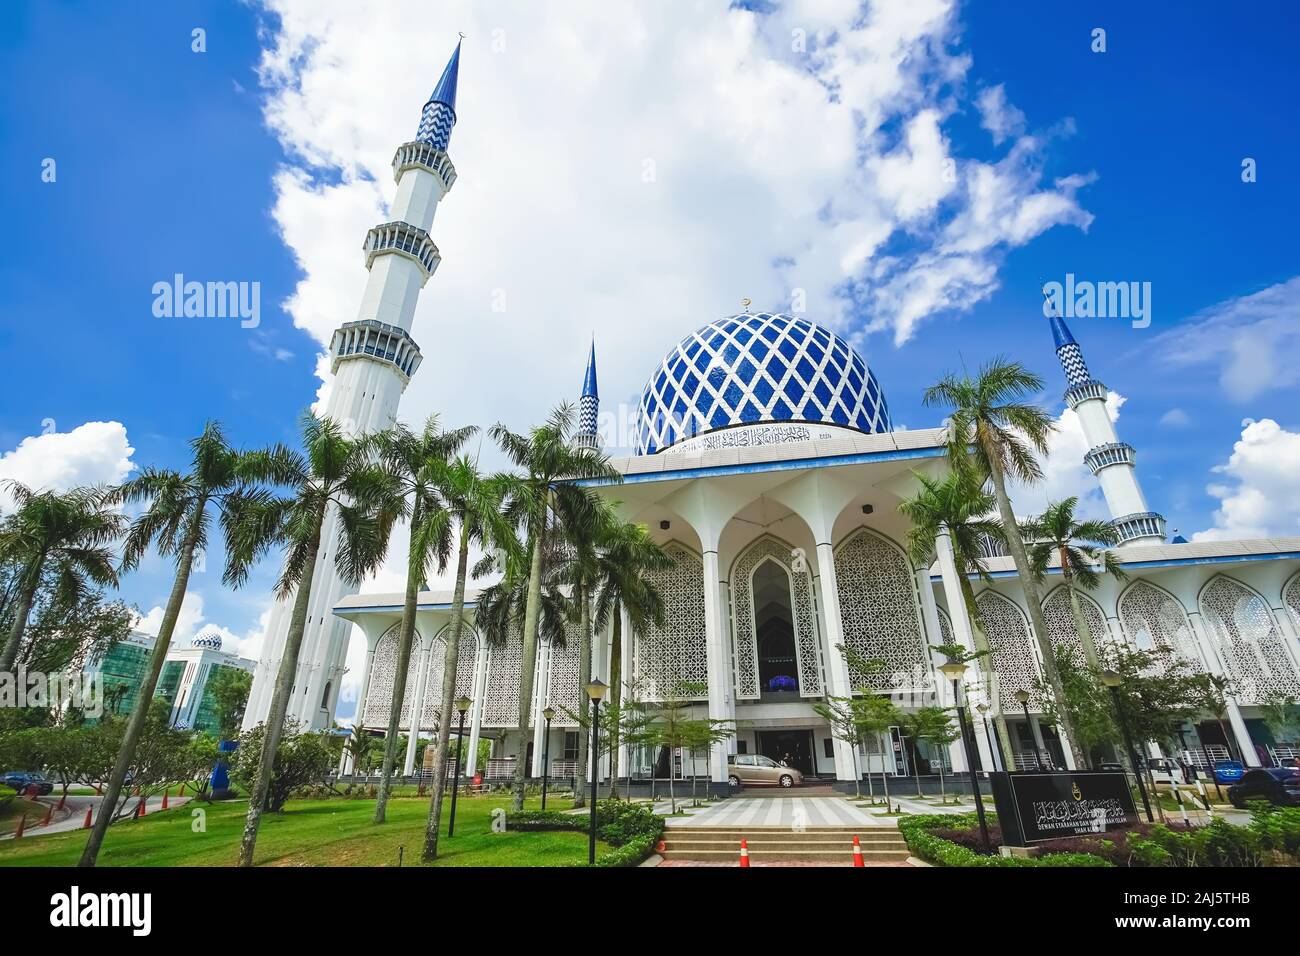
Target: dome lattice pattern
<point>752,368</point>
<point>207,640</point>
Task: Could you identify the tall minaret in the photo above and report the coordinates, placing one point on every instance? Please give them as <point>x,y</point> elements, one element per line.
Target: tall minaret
<point>589,405</point>
<point>372,360</point>
<point>1111,460</point>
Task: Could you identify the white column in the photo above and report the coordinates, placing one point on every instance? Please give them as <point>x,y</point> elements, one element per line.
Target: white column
<point>417,708</point>
<point>476,713</point>
<point>837,668</point>
<point>961,628</point>
<point>541,700</point>
<point>345,761</point>
<point>716,656</point>
<point>626,658</point>
<point>1235,720</point>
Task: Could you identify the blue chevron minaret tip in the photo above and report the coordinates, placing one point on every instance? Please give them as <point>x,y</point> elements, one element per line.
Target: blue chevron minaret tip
<point>439,113</point>
<point>589,404</point>
<point>589,389</point>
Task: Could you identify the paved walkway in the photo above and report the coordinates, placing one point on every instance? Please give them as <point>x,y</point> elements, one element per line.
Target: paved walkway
<point>783,813</point>
<point>73,815</point>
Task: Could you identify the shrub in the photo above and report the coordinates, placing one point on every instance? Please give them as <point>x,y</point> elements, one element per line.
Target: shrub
<point>922,834</point>
<point>301,760</point>
<point>630,829</point>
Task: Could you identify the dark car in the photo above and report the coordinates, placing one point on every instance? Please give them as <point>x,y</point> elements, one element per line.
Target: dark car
<point>1275,784</point>
<point>21,780</point>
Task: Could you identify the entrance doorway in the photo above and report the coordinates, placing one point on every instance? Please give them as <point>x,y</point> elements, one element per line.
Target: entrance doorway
<point>795,747</point>
<point>778,671</point>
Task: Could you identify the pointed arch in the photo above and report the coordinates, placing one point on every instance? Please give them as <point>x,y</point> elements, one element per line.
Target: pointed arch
<point>1291,599</point>
<point>1014,660</point>
<point>946,635</point>
<point>880,608</point>
<point>1059,618</point>
<point>1152,618</point>
<point>744,630</point>
<point>1248,639</point>
<point>383,678</point>
<point>665,657</point>
<point>466,656</point>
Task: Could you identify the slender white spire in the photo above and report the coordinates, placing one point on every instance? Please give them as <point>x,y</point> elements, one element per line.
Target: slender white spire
<point>1113,462</point>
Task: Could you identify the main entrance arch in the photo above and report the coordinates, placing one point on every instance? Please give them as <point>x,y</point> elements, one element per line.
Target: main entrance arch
<point>774,635</point>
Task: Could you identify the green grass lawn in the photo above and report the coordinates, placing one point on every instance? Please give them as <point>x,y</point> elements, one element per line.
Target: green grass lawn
<point>18,807</point>
<point>335,832</point>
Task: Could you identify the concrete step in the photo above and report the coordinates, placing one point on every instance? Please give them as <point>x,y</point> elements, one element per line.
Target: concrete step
<point>861,831</point>
<point>764,846</point>
<point>794,856</point>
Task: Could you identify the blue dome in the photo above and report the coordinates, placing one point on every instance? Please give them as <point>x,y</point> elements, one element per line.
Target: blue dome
<point>753,368</point>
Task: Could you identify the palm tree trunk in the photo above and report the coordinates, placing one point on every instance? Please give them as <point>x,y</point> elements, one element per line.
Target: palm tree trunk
<point>1082,628</point>
<point>585,652</point>
<point>144,696</point>
<point>405,643</point>
<point>284,681</point>
<point>450,659</point>
<point>26,597</point>
<point>531,610</point>
<point>987,664</point>
<point>1020,557</point>
<point>616,699</point>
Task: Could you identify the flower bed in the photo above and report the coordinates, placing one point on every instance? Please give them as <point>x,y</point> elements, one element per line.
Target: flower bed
<point>930,837</point>
<point>630,829</point>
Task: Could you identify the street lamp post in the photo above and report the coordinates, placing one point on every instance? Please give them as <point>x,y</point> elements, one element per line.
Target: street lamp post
<point>1112,679</point>
<point>954,671</point>
<point>462,705</point>
<point>595,690</point>
<point>990,737</point>
<point>1022,697</point>
<point>548,713</point>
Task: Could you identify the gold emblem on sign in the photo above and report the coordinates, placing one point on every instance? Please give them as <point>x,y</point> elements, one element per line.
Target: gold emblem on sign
<point>1074,789</point>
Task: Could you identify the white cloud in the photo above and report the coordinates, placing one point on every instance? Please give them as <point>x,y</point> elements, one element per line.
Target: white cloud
<point>1253,341</point>
<point>191,621</point>
<point>1175,418</point>
<point>91,454</point>
<point>772,170</point>
<point>1064,473</point>
<point>1260,494</point>
<point>998,116</point>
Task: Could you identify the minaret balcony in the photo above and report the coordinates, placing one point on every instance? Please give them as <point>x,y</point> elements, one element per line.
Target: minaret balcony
<point>1146,524</point>
<point>418,155</point>
<point>379,341</point>
<point>405,240</point>
<point>1075,395</point>
<point>1111,453</point>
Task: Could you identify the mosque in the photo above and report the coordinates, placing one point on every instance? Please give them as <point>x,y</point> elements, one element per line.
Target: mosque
<point>766,464</point>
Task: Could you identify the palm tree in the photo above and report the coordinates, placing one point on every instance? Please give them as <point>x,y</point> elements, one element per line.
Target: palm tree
<point>69,532</point>
<point>1079,547</point>
<point>474,504</point>
<point>547,456</point>
<point>959,502</point>
<point>333,478</point>
<point>627,554</point>
<point>579,573</point>
<point>992,428</point>
<point>360,745</point>
<point>176,521</point>
<point>412,494</point>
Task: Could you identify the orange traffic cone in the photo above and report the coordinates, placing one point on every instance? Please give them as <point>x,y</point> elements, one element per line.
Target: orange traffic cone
<point>139,808</point>
<point>661,846</point>
<point>744,853</point>
<point>90,811</point>
<point>22,822</point>
<point>857,852</point>
<point>49,815</point>
<point>166,794</point>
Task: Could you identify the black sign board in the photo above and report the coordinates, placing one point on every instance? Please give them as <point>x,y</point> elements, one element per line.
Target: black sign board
<point>1033,807</point>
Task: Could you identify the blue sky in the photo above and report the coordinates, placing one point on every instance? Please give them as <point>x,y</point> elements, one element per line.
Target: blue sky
<point>261,159</point>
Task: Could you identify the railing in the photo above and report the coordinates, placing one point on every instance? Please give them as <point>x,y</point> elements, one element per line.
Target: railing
<point>1197,757</point>
<point>1084,391</point>
<point>419,155</point>
<point>405,239</point>
<point>1146,524</point>
<point>377,340</point>
<point>1111,453</point>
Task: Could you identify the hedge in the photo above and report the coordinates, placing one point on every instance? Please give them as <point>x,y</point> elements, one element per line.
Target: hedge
<point>630,829</point>
<point>941,852</point>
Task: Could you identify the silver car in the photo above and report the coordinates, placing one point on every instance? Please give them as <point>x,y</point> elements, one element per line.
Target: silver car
<point>755,770</point>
